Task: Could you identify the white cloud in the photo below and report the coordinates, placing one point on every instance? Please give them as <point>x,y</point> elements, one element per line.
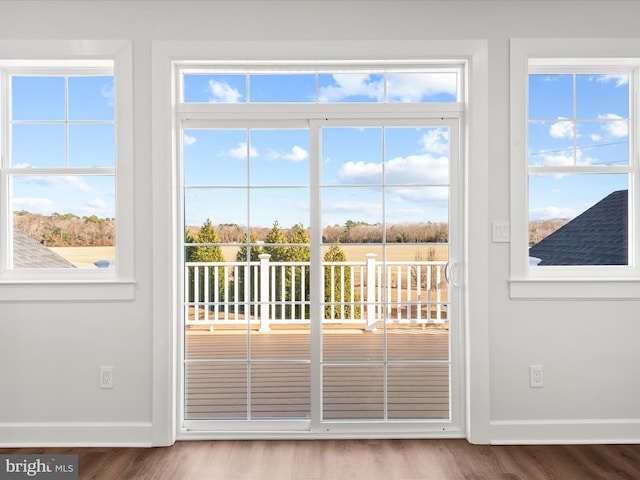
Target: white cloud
<point>561,130</point>
<point>360,172</point>
<point>418,169</point>
<point>412,169</point>
<point>557,160</point>
<point>43,206</point>
<point>352,84</point>
<point>547,213</point>
<point>415,87</point>
<point>241,152</point>
<point>619,80</point>
<point>366,210</point>
<point>560,160</point>
<point>439,194</point>
<point>70,182</point>
<point>297,154</point>
<point>436,141</point>
<point>97,203</point>
<point>615,128</point>
<point>220,92</point>
<point>107,91</point>
<point>595,137</point>
<point>189,140</point>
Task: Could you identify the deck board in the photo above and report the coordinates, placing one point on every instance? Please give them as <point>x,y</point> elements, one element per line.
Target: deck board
<point>218,375</point>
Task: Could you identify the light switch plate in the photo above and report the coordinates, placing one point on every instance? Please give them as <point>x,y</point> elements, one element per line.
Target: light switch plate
<point>500,232</point>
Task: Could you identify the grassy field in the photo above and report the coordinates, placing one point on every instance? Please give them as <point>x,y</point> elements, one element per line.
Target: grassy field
<point>356,253</point>
<point>83,257</point>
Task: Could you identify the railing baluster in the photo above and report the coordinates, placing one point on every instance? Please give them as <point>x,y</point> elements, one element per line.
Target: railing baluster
<point>196,292</point>
<point>438,298</point>
<point>264,292</point>
<point>418,294</point>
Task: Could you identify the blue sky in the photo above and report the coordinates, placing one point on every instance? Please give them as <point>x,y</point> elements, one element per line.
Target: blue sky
<point>581,121</point>
<point>352,159</point>
<point>54,128</point>
<point>276,163</point>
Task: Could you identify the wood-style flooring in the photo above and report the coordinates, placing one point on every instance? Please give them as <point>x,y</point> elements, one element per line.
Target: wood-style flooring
<point>354,460</point>
<point>221,382</point>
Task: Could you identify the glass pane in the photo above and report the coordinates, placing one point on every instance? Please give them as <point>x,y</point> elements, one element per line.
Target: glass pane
<point>279,157</point>
<point>353,392</point>
<point>352,215</point>
<point>418,391</point>
<point>280,390</point>
<point>216,157</point>
<point>550,96</point>
<point>416,214</point>
<point>579,219</point>
<point>552,143</point>
<point>417,155</point>
<point>422,87</point>
<point>38,145</point>
<point>91,98</point>
<point>222,206</point>
<point>207,88</point>
<point>350,87</point>
<point>215,390</point>
<point>91,145</point>
<point>343,341</point>
<point>603,143</point>
<point>285,207</point>
<point>599,96</point>
<point>63,221</point>
<point>351,156</point>
<point>282,88</point>
<point>414,286</point>
<point>285,297</point>
<point>38,98</point>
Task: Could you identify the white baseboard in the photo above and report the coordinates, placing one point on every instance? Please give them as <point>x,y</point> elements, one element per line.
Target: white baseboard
<point>75,434</point>
<point>581,431</point>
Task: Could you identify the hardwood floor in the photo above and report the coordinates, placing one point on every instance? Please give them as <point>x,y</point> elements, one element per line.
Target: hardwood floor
<point>221,384</point>
<point>354,459</point>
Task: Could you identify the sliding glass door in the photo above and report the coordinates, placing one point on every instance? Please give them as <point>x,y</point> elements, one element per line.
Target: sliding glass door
<point>318,283</point>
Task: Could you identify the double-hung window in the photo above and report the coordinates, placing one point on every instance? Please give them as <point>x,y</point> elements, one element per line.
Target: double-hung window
<point>574,173</point>
<point>65,170</point>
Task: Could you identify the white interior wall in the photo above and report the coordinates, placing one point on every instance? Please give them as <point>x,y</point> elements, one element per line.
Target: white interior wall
<point>50,352</point>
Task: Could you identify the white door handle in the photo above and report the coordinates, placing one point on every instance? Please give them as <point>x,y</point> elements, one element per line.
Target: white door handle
<point>449,274</point>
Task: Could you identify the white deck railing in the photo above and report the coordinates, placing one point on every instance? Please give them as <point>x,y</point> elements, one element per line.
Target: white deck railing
<point>268,293</point>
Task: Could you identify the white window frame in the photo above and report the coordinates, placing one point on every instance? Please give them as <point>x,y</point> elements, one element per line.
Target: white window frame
<point>579,282</point>
<point>69,58</point>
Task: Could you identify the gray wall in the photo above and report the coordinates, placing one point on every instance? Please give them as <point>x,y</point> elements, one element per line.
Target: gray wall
<point>50,352</point>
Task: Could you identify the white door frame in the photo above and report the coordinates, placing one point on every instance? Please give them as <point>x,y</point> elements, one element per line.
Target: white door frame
<point>475,261</point>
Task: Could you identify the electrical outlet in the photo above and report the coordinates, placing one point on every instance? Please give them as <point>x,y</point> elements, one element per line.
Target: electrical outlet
<point>106,377</point>
<point>535,376</point>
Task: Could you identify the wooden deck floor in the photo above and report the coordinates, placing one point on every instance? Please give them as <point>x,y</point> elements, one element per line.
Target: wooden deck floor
<point>413,382</point>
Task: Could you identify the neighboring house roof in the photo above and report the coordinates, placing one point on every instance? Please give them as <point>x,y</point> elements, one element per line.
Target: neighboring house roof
<point>599,236</point>
<point>29,253</point>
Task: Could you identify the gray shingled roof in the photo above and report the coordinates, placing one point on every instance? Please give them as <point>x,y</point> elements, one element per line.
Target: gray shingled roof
<point>29,253</point>
<point>598,236</point>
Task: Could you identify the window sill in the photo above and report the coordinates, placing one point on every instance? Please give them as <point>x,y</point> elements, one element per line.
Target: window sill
<point>67,291</point>
<point>582,289</point>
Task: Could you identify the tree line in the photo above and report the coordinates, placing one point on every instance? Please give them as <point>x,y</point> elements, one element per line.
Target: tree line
<point>283,245</point>
<point>70,230</point>
<point>67,230</point>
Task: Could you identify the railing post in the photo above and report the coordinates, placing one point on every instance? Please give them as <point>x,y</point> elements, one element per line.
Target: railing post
<point>264,292</point>
<point>371,292</point>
